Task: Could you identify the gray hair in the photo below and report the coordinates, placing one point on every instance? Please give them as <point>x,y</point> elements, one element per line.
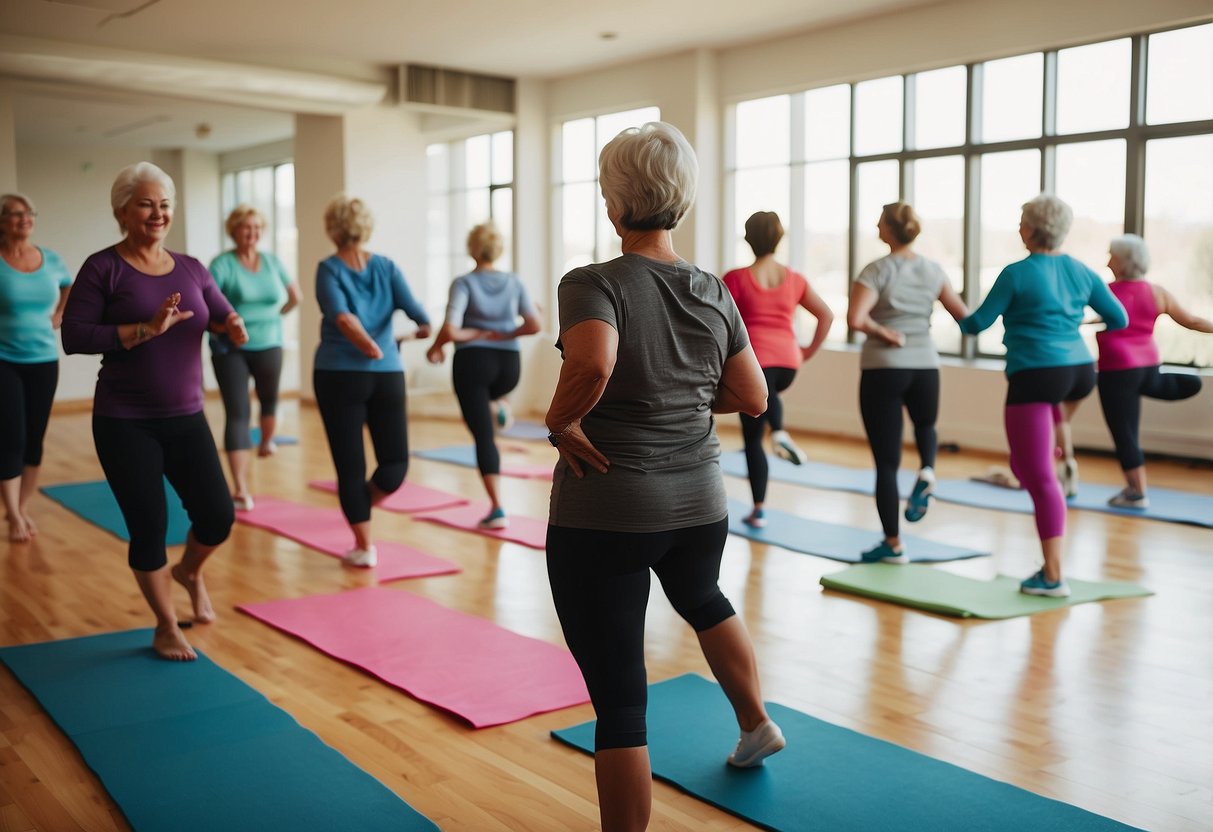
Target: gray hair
<point>1132,253</point>
<point>348,220</point>
<point>7,198</point>
<point>1049,219</point>
<point>130,178</point>
<point>648,175</point>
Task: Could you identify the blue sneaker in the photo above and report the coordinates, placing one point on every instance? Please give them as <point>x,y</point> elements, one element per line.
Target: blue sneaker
<point>757,519</point>
<point>1039,585</point>
<point>884,553</point>
<point>920,501</point>
<point>495,519</point>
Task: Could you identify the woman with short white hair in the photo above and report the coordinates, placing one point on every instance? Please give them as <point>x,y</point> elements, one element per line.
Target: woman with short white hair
<point>1129,362</point>
<point>652,347</point>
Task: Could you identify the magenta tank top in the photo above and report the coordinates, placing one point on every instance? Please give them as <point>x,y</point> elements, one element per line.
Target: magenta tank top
<point>1133,346</point>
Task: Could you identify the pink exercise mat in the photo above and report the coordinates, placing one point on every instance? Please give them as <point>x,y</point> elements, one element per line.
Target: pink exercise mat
<point>525,530</point>
<point>325,530</point>
<point>466,665</point>
<point>408,498</point>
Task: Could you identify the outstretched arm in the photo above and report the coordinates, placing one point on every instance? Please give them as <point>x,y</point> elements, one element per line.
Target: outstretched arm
<point>1167,304</point>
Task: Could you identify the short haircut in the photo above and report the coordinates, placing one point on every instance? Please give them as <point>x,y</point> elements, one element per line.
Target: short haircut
<point>485,242</point>
<point>1049,220</point>
<point>347,220</point>
<point>902,221</point>
<point>763,231</point>
<point>648,175</point>
<point>130,178</point>
<point>241,214</point>
<point>1133,254</point>
<point>22,198</point>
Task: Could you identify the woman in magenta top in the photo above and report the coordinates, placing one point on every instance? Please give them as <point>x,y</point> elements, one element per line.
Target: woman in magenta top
<point>767,294</point>
<point>1129,361</point>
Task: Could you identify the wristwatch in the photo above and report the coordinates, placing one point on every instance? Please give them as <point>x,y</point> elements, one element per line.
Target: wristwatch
<point>554,437</point>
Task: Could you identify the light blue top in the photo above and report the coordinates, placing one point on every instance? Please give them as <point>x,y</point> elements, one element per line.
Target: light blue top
<point>27,300</point>
<point>371,295</point>
<point>257,296</point>
<point>1042,299</point>
<point>488,300</point>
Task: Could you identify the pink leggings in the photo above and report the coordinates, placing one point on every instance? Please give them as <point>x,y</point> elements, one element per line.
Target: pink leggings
<point>1030,435</point>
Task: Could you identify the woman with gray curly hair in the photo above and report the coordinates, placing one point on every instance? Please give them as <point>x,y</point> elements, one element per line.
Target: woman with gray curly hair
<point>652,347</point>
<point>1049,370</point>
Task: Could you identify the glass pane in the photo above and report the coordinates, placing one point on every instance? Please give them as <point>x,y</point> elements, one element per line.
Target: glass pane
<point>501,201</point>
<point>939,112</point>
<point>1091,178</point>
<point>878,185</point>
<point>764,132</point>
<point>1179,231</point>
<point>827,130</point>
<point>476,207</point>
<point>227,186</point>
<point>1012,96</point>
<point>437,170</point>
<point>878,116</point>
<point>763,189</point>
<point>577,215</point>
<point>286,236</point>
<point>827,206</point>
<point>1093,87</point>
<point>578,157</point>
<point>608,245</point>
<point>476,162</point>
<point>1179,84</point>
<point>1008,180</point>
<point>939,200</point>
<point>503,158</point>
<point>612,124</point>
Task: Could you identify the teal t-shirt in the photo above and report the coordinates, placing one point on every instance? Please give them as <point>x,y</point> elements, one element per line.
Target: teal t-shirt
<point>257,297</point>
<point>27,300</point>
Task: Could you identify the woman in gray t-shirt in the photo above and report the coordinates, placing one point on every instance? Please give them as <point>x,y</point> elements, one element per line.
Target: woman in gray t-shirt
<point>891,303</point>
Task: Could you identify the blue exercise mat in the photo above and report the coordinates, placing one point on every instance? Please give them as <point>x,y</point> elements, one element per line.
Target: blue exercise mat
<point>828,777</point>
<point>833,541</point>
<point>817,474</point>
<point>94,502</point>
<point>279,439</point>
<point>188,746</point>
<point>525,430</point>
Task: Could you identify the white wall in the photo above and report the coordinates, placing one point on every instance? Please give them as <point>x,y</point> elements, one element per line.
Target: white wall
<point>8,141</point>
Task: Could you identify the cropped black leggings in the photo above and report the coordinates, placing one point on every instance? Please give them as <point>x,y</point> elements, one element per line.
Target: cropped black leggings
<point>753,429</point>
<point>232,371</point>
<point>482,375</point>
<point>26,394</point>
<point>600,585</point>
<point>882,394</point>
<point>349,400</point>
<point>137,456</point>
<point>1120,393</point>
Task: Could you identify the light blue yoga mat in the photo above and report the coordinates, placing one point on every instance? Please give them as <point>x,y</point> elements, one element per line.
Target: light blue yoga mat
<point>279,439</point>
<point>189,747</point>
<point>829,777</point>
<point>94,502</point>
<point>522,429</point>
<point>817,474</point>
<point>833,541</point>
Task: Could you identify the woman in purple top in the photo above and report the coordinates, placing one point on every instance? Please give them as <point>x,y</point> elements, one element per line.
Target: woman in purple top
<point>145,310</point>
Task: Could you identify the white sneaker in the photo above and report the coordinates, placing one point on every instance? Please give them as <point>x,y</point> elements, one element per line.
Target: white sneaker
<point>755,746</point>
<point>244,503</point>
<point>365,558</point>
<point>1067,472</point>
<point>785,448</point>
<point>1128,498</point>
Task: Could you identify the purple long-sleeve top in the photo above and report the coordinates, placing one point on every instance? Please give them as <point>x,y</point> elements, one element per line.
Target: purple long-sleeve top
<point>158,378</point>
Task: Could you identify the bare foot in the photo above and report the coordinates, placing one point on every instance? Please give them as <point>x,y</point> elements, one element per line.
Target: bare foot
<point>169,643</point>
<point>204,613</point>
<point>29,524</point>
<point>267,449</point>
<point>18,529</point>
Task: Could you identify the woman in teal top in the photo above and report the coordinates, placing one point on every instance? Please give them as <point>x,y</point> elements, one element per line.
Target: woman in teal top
<point>33,289</point>
<point>261,292</point>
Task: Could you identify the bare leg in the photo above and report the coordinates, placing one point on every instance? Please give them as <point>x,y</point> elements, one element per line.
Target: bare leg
<point>168,642</point>
<point>18,529</point>
<point>29,485</point>
<point>491,482</point>
<point>730,654</point>
<point>188,573</point>
<point>1136,479</point>
<point>625,788</point>
<point>267,446</point>
<point>238,461</point>
<point>1051,549</point>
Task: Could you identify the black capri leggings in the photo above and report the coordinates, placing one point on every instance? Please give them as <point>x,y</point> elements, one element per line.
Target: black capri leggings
<point>1120,393</point>
<point>1052,385</point>
<point>137,455</point>
<point>754,427</point>
<point>26,394</point>
<point>600,585</point>
<point>348,400</point>
<point>481,375</point>
<point>882,394</point>
<point>232,371</point>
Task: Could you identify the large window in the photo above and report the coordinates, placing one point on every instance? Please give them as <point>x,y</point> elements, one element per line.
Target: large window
<point>1122,130</point>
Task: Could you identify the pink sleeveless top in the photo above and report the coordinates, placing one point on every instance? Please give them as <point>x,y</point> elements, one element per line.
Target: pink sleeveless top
<point>768,315</point>
<point>1133,346</point>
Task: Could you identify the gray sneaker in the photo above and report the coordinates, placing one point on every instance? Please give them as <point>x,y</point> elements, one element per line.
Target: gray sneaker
<point>1128,498</point>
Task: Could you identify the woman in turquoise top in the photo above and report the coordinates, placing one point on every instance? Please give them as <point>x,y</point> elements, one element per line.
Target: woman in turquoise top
<point>261,291</point>
<point>33,289</point>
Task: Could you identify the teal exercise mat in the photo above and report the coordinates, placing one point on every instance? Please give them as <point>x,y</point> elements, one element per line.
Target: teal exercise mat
<point>189,747</point>
<point>822,475</point>
<point>279,439</point>
<point>94,502</point>
<point>935,590</point>
<point>833,541</point>
<point>829,777</point>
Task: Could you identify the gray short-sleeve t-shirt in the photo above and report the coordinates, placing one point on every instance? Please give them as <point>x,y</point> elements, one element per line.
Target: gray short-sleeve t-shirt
<point>906,289</point>
<point>677,326</point>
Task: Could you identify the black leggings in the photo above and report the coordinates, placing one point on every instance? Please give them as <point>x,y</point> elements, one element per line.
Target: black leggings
<point>882,394</point>
<point>1120,393</point>
<point>753,428</point>
<point>232,371</point>
<point>137,455</point>
<point>482,375</point>
<point>348,400</point>
<point>600,585</point>
<point>26,394</point>
<point>1051,385</point>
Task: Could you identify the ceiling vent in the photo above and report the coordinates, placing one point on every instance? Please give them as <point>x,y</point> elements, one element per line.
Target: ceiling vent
<point>445,89</point>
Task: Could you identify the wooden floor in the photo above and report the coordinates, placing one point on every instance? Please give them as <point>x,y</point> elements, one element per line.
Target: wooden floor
<point>1107,706</point>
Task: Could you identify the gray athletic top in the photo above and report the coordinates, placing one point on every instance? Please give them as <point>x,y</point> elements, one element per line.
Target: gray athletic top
<point>677,325</point>
<point>906,288</point>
